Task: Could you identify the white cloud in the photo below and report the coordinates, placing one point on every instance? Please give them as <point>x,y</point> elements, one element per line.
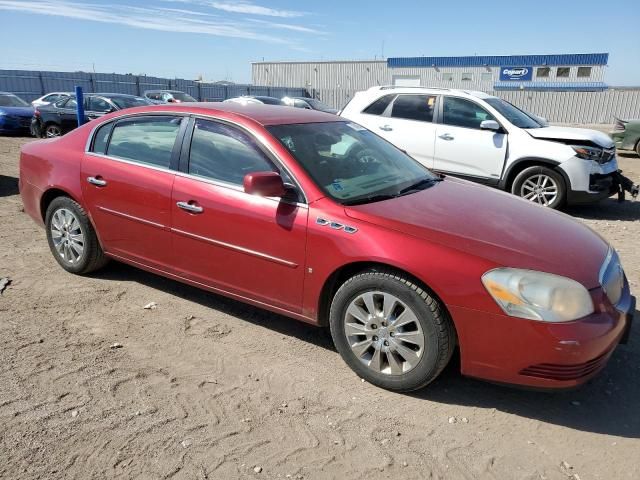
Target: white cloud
<point>167,20</point>
<point>287,26</point>
<point>253,9</point>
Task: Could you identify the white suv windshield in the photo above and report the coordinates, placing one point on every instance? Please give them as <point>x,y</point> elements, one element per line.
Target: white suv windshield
<point>513,114</point>
<point>351,164</point>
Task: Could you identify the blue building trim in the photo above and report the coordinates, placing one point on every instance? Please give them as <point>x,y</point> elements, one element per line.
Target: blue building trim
<point>552,86</point>
<point>501,60</point>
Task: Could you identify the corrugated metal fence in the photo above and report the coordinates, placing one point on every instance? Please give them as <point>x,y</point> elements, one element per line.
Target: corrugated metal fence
<point>30,85</point>
<point>557,107</point>
<point>578,107</point>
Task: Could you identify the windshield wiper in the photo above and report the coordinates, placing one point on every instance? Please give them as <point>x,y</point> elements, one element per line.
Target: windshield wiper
<point>425,182</point>
<point>370,199</point>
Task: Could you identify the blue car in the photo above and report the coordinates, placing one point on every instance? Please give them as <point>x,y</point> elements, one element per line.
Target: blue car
<point>15,114</point>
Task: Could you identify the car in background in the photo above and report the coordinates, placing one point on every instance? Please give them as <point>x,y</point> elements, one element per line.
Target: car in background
<point>61,117</point>
<point>626,134</point>
<point>309,104</point>
<point>15,114</point>
<point>482,138</point>
<point>315,217</point>
<point>255,99</point>
<point>168,96</point>
<point>50,98</point>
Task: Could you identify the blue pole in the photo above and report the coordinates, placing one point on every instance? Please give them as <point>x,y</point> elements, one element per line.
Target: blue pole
<point>80,106</point>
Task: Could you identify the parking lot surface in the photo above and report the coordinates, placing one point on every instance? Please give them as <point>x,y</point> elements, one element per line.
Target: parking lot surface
<point>93,385</point>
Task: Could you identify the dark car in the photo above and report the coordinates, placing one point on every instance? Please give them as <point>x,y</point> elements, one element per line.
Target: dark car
<point>626,134</point>
<point>255,99</point>
<point>308,104</point>
<point>168,96</point>
<point>61,117</point>
<point>15,114</point>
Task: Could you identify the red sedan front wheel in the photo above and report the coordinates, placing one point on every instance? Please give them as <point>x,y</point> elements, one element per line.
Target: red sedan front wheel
<point>390,331</point>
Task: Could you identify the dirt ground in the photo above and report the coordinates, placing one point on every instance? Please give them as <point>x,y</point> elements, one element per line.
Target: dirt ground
<point>208,388</point>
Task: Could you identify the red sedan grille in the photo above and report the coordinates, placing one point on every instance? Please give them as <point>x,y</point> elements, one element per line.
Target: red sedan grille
<point>552,371</point>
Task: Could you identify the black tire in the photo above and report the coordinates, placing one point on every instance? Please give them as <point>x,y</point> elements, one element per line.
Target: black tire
<point>638,148</point>
<point>437,327</point>
<point>92,257</point>
<point>534,172</point>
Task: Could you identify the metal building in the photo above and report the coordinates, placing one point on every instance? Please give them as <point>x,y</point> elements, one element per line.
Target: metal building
<point>577,79</point>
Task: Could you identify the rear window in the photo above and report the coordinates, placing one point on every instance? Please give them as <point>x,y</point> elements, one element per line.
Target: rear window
<point>129,102</point>
<point>379,106</point>
<point>270,100</point>
<point>183,97</point>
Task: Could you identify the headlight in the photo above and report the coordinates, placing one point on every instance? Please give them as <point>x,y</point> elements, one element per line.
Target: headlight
<point>537,295</point>
<point>588,153</point>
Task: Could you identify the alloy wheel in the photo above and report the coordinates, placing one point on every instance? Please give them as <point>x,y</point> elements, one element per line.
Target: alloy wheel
<point>540,188</point>
<point>384,333</point>
<point>67,236</point>
<point>53,131</point>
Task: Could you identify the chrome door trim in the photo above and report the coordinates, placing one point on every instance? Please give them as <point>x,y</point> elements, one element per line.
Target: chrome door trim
<point>236,248</point>
<point>131,217</point>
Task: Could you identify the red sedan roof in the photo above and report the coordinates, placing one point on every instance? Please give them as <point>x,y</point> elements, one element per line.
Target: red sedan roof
<point>263,114</point>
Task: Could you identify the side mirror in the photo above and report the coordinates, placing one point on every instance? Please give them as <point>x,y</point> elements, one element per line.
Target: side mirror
<point>265,184</point>
<point>489,125</point>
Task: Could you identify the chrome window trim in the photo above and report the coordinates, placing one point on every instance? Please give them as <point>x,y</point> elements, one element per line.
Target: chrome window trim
<point>265,148</point>
<point>131,162</point>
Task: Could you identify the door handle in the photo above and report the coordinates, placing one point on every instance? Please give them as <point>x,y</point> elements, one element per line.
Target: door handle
<point>99,182</point>
<point>446,136</point>
<point>386,128</point>
<point>190,207</point>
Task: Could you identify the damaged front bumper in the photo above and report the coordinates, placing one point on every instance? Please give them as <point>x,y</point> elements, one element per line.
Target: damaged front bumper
<point>602,186</point>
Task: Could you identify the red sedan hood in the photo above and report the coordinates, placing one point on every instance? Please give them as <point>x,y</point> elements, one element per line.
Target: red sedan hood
<point>494,225</point>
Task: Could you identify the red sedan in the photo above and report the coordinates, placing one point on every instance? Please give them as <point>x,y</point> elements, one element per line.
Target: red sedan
<point>317,218</point>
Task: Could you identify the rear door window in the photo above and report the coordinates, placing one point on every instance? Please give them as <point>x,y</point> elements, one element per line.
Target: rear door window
<point>146,140</point>
<point>414,107</point>
<point>464,113</point>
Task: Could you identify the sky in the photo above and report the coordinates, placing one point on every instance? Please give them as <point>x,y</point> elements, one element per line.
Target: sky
<point>218,40</point>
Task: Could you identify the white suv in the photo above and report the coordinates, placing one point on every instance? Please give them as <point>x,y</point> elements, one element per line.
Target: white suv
<point>486,139</point>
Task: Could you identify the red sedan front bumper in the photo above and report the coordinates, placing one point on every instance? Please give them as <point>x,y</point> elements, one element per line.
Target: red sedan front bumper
<point>537,354</point>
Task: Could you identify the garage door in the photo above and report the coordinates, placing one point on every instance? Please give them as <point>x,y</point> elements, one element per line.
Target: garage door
<point>406,80</point>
